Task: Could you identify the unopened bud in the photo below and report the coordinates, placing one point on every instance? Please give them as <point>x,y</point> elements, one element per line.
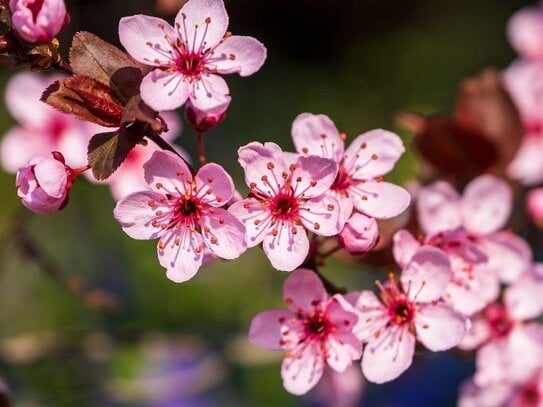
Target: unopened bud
<point>38,21</point>
<point>203,121</point>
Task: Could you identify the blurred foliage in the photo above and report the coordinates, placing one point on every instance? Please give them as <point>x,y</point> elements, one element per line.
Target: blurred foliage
<point>360,62</point>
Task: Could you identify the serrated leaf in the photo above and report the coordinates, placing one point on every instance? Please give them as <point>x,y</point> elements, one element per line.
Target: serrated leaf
<point>85,98</point>
<point>92,56</point>
<point>107,151</point>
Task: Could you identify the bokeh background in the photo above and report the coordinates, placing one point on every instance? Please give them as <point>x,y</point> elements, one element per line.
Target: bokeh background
<point>91,320</point>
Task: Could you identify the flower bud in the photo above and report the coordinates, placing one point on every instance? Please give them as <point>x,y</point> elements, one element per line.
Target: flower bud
<point>203,121</point>
<point>534,205</point>
<point>43,184</point>
<point>38,21</point>
<point>359,235</point>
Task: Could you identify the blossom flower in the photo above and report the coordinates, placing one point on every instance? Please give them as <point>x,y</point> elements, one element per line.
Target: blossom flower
<point>359,235</point>
<point>525,32</point>
<point>509,345</point>
<point>43,184</point>
<point>286,201</point>
<point>482,210</point>
<point>407,314</point>
<point>359,181</point>
<point>470,287</point>
<point>313,331</point>
<point>203,121</point>
<point>188,56</point>
<point>41,128</point>
<point>38,21</point>
<point>185,213</point>
<point>128,178</point>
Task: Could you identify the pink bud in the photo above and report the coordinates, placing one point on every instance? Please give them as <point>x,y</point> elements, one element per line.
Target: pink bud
<point>38,21</point>
<point>534,205</point>
<point>44,183</point>
<point>203,121</point>
<point>359,235</point>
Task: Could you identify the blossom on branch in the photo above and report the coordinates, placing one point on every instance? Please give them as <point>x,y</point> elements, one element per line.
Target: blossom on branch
<point>188,56</point>
<point>314,331</point>
<point>185,212</point>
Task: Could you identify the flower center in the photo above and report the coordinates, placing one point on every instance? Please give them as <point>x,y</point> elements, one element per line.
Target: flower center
<point>401,312</point>
<point>499,321</point>
<point>317,326</point>
<point>189,64</point>
<point>284,206</point>
<point>342,182</point>
<point>188,207</point>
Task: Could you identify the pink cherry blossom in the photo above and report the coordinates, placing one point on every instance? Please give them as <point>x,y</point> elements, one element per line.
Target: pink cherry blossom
<point>188,56</point>
<point>185,212</point>
<point>525,32</point>
<point>359,235</point>
<point>524,83</point>
<point>534,205</point>
<point>129,176</point>
<point>510,346</point>
<point>203,121</point>
<point>38,21</point>
<point>482,210</point>
<point>471,287</point>
<point>359,181</point>
<point>43,184</point>
<point>41,128</point>
<point>404,315</point>
<point>314,331</point>
<point>286,201</point>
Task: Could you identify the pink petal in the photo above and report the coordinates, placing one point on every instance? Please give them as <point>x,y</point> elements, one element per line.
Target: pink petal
<point>372,315</point>
<point>524,299</point>
<point>373,154</point>
<point>439,327</point>
<point>478,333</point>
<point>534,205</point>
<point>210,92</point>
<point>302,290</point>
<point>226,236</point>
<point>317,135</point>
<point>486,204</point>
<point>164,90</point>
<point>255,219</point>
<point>405,246</point>
<point>147,39</point>
<point>527,167</point>
<point>389,355</point>
<point>525,30</point>
<point>135,215</point>
<point>472,295</point>
<point>359,235</point>
<point>165,172</point>
<point>182,254</point>
<point>380,200</point>
<point>202,23</point>
<point>238,54</point>
<point>255,159</point>
<point>497,394</point>
<point>286,250</point>
<point>343,348</point>
<point>266,329</point>
<point>345,207</point>
<point>438,208</point>
<point>313,176</point>
<point>321,216</point>
<point>508,255</point>
<point>427,274</point>
<point>341,313</point>
<point>17,147</point>
<point>215,183</point>
<point>51,176</point>
<point>302,373</point>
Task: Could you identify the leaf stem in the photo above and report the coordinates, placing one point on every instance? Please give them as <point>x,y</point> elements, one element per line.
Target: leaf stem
<point>200,144</point>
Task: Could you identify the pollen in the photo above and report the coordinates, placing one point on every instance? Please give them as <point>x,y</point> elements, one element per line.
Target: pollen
<point>317,226</point>
<point>275,232</point>
<point>330,207</point>
<point>213,240</point>
<point>158,185</point>
<point>208,20</point>
<point>270,166</point>
<point>363,146</point>
<point>305,150</point>
<point>374,157</point>
<point>313,183</point>
<point>292,167</point>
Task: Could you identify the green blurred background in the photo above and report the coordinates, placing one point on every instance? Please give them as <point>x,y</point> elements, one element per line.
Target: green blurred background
<point>358,61</point>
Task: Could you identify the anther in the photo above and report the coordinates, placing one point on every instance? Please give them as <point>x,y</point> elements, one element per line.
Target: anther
<point>292,167</point>
<point>313,183</point>
<point>305,150</point>
<point>213,240</point>
<point>208,20</point>
<point>209,179</point>
<point>330,207</point>
<point>317,226</point>
<point>158,185</point>
<point>374,157</point>
<point>264,178</point>
<point>363,145</point>
<point>275,232</point>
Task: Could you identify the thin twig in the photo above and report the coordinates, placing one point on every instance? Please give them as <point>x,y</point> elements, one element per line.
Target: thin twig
<point>200,144</point>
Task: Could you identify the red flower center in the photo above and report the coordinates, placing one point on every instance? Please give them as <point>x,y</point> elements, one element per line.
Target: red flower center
<point>190,64</point>
<point>342,182</point>
<point>284,206</point>
<point>317,326</point>
<point>499,320</point>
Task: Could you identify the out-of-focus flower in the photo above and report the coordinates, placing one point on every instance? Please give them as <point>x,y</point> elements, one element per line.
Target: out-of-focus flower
<point>203,121</point>
<point>128,178</point>
<point>38,21</point>
<point>43,184</point>
<point>343,389</point>
<point>42,128</point>
<point>286,201</point>
<point>534,205</point>
<point>510,347</point>
<point>407,314</point>
<point>314,330</point>
<point>185,212</point>
<point>188,56</point>
<point>359,235</point>
<point>483,210</point>
<point>525,32</point>
<point>359,181</point>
